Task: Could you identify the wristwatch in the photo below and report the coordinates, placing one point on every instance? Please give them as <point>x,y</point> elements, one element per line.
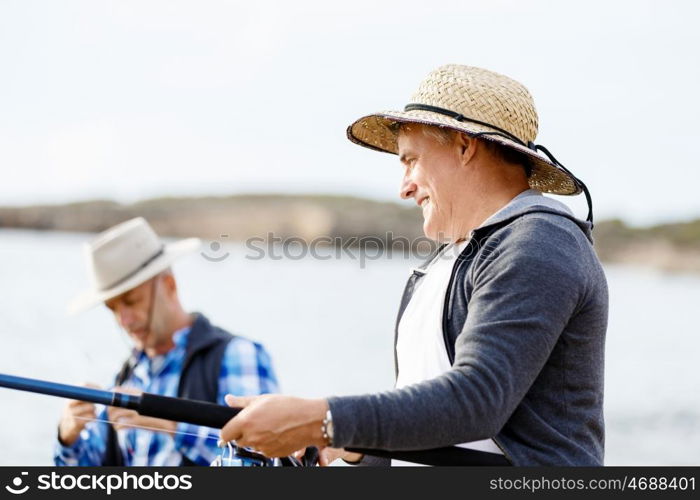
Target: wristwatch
<point>327,428</point>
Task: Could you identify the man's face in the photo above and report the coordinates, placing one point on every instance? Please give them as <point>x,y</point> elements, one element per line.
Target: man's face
<point>131,310</point>
<point>435,178</point>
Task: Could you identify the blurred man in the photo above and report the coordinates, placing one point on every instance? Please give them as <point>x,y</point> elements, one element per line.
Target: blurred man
<point>500,337</point>
<point>175,354</point>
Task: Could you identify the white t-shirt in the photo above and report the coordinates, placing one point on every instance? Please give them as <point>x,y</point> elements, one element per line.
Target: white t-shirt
<point>420,347</point>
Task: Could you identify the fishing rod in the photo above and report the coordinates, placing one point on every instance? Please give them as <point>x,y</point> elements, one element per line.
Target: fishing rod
<point>216,416</point>
<point>146,404</point>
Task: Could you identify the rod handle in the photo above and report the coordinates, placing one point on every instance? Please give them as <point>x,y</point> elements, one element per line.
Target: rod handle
<point>186,410</point>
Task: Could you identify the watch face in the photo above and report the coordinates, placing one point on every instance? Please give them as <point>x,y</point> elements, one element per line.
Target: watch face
<point>328,426</point>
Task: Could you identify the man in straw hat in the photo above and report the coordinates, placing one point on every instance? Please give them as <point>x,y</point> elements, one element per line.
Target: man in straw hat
<point>175,354</point>
<point>500,337</point>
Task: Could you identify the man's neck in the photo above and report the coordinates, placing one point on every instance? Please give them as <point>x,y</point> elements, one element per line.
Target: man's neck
<point>476,217</point>
<point>182,320</point>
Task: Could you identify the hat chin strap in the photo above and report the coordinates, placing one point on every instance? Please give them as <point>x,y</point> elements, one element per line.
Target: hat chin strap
<point>578,181</point>
<point>151,307</point>
<point>530,145</point>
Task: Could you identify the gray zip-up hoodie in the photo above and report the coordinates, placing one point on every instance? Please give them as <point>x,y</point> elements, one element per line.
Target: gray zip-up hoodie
<point>528,353</point>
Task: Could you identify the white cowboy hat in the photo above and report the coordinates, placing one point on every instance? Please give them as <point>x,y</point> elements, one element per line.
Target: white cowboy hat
<point>125,256</point>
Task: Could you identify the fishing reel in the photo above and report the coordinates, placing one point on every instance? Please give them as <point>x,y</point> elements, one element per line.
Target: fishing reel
<point>238,456</point>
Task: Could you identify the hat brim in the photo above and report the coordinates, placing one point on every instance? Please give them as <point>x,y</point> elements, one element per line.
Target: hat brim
<point>171,252</point>
<point>375,132</point>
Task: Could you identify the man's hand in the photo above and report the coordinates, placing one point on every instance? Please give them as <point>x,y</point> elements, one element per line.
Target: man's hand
<point>327,456</point>
<point>123,418</point>
<point>276,425</point>
<point>75,415</point>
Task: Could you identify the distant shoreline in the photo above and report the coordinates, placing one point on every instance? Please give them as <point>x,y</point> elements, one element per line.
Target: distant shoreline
<point>673,247</point>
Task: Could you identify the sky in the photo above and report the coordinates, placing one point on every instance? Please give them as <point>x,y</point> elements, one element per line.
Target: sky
<point>127,100</point>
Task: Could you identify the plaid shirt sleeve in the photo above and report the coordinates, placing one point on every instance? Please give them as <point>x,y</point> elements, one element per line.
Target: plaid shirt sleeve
<point>88,449</point>
<point>246,370</point>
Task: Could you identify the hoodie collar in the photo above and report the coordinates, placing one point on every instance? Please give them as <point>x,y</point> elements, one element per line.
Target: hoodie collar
<point>530,200</point>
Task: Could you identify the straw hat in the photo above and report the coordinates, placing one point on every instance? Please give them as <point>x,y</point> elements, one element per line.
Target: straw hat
<point>125,256</point>
<point>480,103</point>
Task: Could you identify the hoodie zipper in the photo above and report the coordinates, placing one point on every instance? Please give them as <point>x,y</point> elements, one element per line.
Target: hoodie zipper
<point>500,447</point>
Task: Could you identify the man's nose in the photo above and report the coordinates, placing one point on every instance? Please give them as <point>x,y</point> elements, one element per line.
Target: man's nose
<point>408,187</point>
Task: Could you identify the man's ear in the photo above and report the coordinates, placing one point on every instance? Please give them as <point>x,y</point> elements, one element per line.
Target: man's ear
<point>170,283</point>
<point>467,146</point>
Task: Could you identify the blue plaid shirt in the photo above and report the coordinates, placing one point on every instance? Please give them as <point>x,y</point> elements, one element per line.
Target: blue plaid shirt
<point>246,370</point>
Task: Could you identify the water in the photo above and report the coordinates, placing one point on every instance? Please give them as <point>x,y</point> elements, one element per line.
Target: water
<point>329,327</point>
